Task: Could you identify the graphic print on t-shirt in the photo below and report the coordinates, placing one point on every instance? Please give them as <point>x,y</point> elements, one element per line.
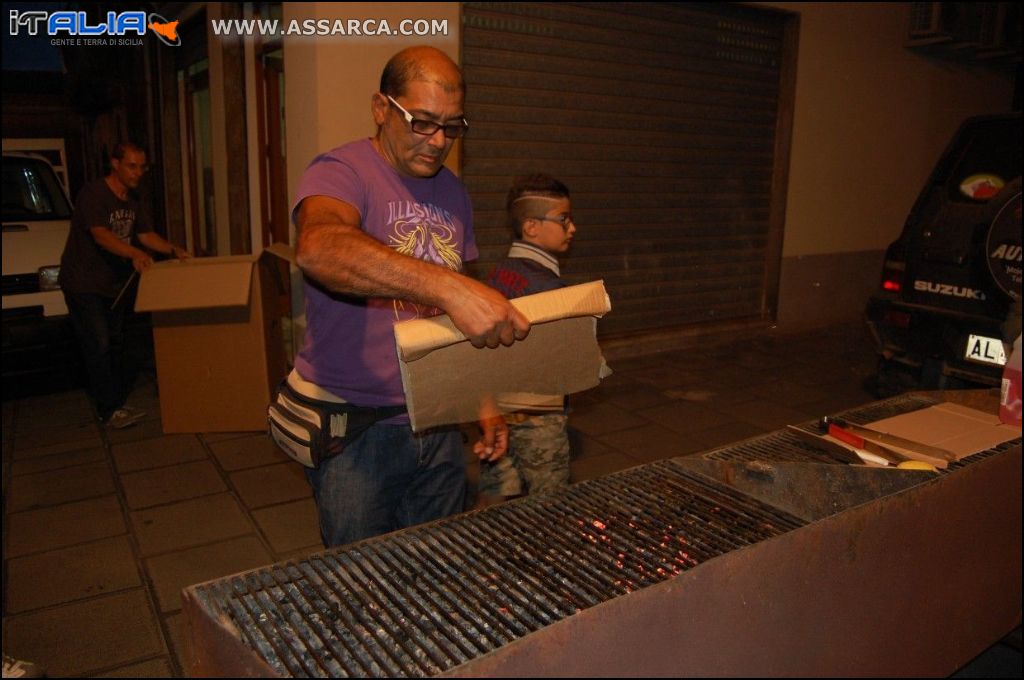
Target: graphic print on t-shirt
<point>425,232</point>
<point>121,223</point>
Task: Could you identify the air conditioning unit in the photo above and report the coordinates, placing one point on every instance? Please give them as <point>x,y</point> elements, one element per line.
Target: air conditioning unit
<point>987,32</point>
<point>924,19</point>
<point>958,23</point>
<point>1000,31</point>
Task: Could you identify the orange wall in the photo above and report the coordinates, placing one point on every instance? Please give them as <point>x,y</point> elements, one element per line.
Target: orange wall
<point>871,118</point>
<point>329,81</point>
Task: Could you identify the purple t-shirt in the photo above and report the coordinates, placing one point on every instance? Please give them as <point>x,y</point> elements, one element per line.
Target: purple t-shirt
<point>350,342</point>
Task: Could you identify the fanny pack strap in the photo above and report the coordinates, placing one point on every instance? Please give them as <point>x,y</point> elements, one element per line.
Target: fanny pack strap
<point>345,419</point>
<point>311,429</point>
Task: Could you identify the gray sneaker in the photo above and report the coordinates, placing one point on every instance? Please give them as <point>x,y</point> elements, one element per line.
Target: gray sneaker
<point>16,668</point>
<point>126,416</point>
<point>134,411</point>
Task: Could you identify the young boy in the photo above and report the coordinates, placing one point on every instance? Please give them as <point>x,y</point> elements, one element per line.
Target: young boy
<point>540,215</point>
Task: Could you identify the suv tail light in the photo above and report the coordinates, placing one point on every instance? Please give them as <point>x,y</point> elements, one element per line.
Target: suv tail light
<point>892,275</point>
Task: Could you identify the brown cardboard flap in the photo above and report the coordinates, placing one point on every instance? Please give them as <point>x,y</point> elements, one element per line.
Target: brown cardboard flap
<point>419,337</point>
<point>446,379</point>
<point>197,283</point>
<point>963,431</point>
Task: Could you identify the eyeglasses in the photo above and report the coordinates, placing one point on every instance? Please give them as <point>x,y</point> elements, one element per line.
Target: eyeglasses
<point>429,127</point>
<point>564,220</point>
<point>141,167</point>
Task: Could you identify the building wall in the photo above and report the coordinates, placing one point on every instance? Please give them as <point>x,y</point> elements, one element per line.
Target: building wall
<point>329,81</point>
<point>870,119</point>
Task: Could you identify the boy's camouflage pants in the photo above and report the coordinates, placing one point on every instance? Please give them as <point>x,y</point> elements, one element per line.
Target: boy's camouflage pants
<point>537,460</point>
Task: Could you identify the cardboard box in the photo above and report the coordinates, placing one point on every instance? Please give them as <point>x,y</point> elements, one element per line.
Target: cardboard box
<point>447,380</point>
<point>961,430</point>
<point>217,335</point>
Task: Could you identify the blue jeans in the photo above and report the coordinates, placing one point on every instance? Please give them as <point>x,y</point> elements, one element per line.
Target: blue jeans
<point>100,334</point>
<point>387,479</point>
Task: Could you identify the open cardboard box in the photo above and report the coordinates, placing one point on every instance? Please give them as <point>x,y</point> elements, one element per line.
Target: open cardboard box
<point>218,339</point>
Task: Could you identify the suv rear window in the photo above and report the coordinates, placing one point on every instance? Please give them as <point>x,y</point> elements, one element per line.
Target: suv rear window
<point>31,191</point>
<point>989,158</point>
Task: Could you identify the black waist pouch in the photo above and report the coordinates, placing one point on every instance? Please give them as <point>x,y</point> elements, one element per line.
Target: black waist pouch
<point>303,427</point>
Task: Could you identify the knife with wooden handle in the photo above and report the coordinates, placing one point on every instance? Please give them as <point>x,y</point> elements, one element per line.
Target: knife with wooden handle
<point>849,448</point>
<point>906,448</point>
<point>837,449</point>
<point>885,454</point>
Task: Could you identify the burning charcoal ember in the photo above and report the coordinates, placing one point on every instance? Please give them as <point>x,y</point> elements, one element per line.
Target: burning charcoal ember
<point>430,598</point>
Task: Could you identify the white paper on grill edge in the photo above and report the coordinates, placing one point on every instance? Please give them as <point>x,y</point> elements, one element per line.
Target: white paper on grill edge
<point>446,379</point>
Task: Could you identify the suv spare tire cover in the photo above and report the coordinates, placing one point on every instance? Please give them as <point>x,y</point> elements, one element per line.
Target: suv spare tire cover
<point>1003,243</point>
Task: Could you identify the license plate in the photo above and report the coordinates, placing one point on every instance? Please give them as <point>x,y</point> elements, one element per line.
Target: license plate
<point>985,350</point>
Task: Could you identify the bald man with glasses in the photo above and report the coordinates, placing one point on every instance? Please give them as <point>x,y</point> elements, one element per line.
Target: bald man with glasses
<point>383,231</point>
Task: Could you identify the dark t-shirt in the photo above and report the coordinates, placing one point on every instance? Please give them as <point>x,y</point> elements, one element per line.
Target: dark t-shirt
<point>528,269</point>
<point>85,267</point>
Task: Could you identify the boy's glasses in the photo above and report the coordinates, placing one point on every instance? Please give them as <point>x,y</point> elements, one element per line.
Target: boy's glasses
<point>428,127</point>
<point>564,220</point>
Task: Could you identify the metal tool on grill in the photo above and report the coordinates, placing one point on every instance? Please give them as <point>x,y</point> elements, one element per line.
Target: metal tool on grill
<point>892,448</point>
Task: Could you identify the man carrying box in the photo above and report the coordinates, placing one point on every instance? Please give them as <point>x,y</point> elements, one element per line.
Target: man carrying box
<point>383,230</point>
<point>99,262</point>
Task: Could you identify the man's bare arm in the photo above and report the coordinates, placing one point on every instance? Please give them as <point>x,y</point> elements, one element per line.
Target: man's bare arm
<point>155,241</point>
<point>106,240</point>
<point>334,251</point>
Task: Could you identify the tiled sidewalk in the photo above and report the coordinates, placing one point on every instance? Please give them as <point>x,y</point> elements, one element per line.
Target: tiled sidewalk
<point>102,529</point>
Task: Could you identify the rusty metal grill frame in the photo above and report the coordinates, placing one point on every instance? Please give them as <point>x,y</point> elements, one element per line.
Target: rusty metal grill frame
<point>464,594</point>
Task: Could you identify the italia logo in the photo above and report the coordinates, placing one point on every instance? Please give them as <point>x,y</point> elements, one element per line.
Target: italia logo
<point>166,30</point>
<point>950,290</point>
<point>78,26</point>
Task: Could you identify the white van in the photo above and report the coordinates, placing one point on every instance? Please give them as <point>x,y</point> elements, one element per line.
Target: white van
<point>39,351</point>
<point>36,221</point>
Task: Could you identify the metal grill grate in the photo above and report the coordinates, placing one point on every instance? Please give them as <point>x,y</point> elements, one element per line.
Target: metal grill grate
<point>430,598</point>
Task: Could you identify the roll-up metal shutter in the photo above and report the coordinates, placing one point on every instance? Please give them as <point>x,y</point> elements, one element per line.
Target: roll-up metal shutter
<point>668,123</point>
